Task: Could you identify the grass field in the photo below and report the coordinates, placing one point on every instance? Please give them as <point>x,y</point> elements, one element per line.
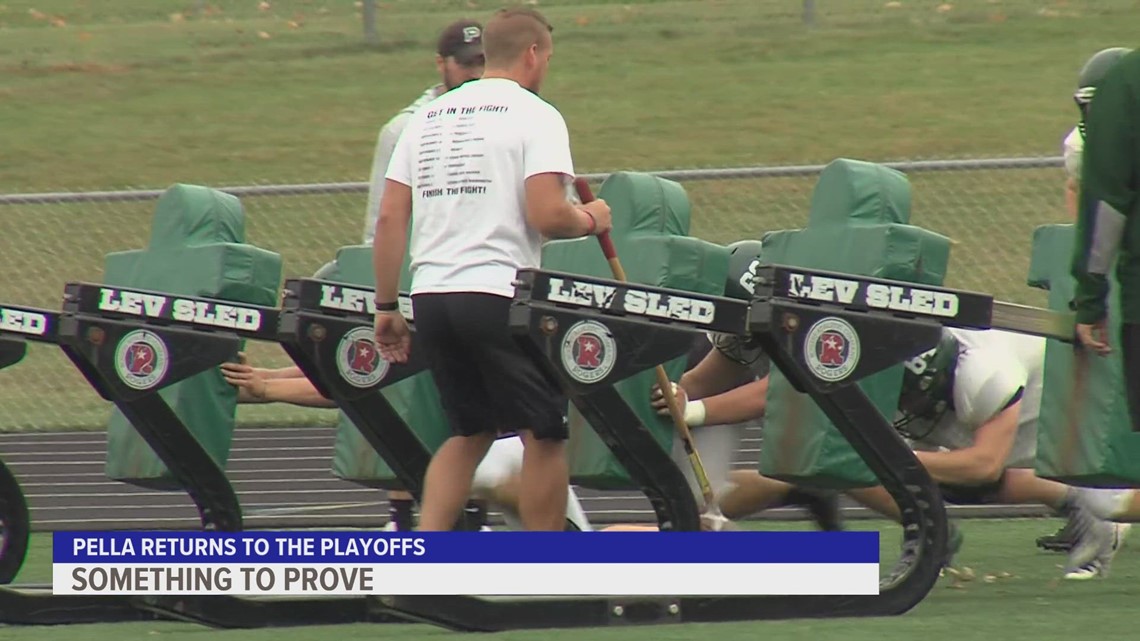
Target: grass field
<point>126,94</point>
<point>1031,604</point>
<point>137,93</point>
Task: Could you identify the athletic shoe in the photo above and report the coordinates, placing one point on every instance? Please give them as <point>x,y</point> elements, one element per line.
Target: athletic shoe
<point>1099,566</point>
<point>1060,541</point>
<point>1096,538</point>
<point>822,504</point>
<point>391,527</point>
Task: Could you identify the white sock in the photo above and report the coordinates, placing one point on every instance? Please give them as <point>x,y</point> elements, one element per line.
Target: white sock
<point>1106,504</point>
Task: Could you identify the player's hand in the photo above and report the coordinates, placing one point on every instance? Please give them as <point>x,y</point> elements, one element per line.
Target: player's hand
<point>657,399</point>
<point>247,379</point>
<point>393,337</point>
<point>601,213</point>
<point>1095,336</point>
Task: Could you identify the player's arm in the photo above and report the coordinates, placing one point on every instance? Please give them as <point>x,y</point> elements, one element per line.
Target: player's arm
<point>281,372</point>
<point>547,164</point>
<point>295,391</point>
<point>714,374</point>
<point>1107,189</point>
<point>982,462</point>
<point>707,391</point>
<point>744,403</point>
<point>253,387</point>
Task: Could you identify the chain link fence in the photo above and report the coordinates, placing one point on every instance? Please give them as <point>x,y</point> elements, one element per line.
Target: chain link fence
<point>988,207</point>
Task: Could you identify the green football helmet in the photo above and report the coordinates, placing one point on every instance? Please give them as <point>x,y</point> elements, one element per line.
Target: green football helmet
<point>927,387</point>
<point>1090,76</point>
<point>743,258</point>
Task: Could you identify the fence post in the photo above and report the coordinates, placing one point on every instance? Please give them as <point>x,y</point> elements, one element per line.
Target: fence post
<point>809,12</point>
<point>368,14</point>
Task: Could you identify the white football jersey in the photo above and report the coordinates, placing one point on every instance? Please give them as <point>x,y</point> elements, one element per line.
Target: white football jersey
<point>992,366</point>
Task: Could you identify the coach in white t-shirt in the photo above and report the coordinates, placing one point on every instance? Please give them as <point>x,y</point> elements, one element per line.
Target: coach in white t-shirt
<point>480,174</point>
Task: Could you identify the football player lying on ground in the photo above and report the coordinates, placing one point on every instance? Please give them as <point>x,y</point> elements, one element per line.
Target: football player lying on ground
<point>969,408</point>
<point>718,440</point>
<point>496,478</point>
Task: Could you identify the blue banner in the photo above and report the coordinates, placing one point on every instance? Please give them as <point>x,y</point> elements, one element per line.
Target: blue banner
<point>342,547</point>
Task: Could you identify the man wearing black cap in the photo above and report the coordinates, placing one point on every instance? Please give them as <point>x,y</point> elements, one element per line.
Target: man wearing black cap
<point>459,58</point>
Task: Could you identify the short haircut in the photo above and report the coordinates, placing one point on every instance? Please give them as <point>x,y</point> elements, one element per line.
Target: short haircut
<point>511,32</point>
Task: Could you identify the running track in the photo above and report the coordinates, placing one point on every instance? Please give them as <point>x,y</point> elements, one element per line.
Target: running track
<point>283,479</point>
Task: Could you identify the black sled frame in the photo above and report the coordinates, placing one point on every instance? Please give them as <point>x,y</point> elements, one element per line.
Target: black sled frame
<point>100,324</point>
<point>27,604</point>
<point>641,322</point>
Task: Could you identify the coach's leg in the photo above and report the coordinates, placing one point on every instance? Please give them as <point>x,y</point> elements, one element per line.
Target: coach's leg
<point>453,361</point>
<point>524,399</point>
<point>544,483</point>
<point>448,481</point>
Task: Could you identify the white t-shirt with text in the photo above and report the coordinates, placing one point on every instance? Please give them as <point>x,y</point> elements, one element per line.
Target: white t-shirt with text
<point>466,156</point>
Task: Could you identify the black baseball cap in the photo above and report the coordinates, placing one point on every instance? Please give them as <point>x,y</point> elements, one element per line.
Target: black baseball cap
<point>462,40</point>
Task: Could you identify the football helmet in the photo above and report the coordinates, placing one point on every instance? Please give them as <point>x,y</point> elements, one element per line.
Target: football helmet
<point>743,259</point>
<point>1090,76</point>
<point>928,387</point>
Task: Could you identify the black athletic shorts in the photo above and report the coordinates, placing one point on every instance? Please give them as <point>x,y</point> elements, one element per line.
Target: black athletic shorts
<point>1130,357</point>
<point>985,494</point>
<point>486,382</point>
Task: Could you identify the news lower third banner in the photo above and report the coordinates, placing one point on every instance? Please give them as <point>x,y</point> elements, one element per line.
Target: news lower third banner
<point>320,563</point>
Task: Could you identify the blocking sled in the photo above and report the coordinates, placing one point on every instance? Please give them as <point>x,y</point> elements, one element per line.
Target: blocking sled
<point>130,345</point>
<point>30,604</point>
<point>553,310</point>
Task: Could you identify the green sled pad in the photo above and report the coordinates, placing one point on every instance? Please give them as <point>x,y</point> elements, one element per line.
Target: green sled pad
<point>1084,434</point>
<point>415,398</point>
<point>651,225</point>
<point>857,225</point>
<point>197,248</point>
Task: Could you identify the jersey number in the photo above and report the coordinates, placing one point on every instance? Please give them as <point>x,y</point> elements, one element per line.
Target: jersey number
<point>918,364</point>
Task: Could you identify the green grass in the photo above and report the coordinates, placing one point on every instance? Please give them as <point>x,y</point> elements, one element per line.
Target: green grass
<point>1032,604</point>
<point>137,93</point>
